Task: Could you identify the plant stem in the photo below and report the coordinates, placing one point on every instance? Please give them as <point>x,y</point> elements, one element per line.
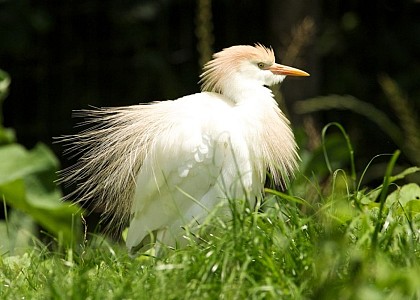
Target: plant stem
<point>382,197</point>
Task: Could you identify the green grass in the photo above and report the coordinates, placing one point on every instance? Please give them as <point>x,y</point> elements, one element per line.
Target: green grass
<point>342,244</point>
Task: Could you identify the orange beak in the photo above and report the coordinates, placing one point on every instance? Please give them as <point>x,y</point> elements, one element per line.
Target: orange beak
<point>278,69</point>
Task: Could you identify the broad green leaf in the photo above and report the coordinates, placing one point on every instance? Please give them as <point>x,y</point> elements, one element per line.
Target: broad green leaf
<point>4,90</point>
<point>409,193</point>
<point>413,206</point>
<point>4,84</point>
<point>16,161</point>
<point>371,196</point>
<point>54,215</point>
<point>27,184</point>
<point>7,136</point>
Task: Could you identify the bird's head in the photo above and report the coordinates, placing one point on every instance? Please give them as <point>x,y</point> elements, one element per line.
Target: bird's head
<point>244,65</point>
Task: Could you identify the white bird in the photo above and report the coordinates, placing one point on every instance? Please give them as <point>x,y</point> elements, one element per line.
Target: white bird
<point>164,165</point>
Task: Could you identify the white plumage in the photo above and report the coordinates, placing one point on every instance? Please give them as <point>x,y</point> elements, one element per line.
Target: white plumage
<point>165,165</point>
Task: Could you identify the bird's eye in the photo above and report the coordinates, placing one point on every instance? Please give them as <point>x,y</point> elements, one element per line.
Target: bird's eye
<point>261,65</point>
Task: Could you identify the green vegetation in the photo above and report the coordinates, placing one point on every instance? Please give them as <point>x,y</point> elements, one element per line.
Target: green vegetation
<point>327,238</point>
<point>27,184</point>
<point>346,246</point>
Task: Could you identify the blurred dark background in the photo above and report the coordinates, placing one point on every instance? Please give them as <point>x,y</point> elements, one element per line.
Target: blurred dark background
<point>67,55</point>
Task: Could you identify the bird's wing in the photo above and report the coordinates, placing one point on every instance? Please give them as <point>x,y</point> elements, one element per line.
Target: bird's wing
<point>182,166</point>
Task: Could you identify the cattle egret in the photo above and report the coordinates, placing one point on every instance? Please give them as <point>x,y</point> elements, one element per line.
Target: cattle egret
<point>164,165</point>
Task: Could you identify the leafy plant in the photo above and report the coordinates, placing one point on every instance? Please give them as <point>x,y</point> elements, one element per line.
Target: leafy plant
<point>27,184</point>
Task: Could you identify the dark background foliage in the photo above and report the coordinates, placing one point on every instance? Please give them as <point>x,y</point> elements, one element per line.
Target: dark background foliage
<point>67,55</point>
